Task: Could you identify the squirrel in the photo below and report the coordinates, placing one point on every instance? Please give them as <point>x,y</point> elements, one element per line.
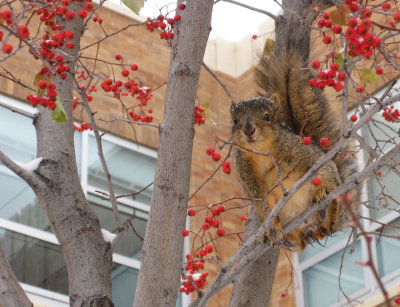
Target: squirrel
<point>271,124</point>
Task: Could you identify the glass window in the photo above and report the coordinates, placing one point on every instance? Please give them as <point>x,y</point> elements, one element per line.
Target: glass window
<point>321,281</point>
<point>35,262</point>
<point>130,170</point>
<point>388,250</point>
<point>129,245</point>
<point>40,263</point>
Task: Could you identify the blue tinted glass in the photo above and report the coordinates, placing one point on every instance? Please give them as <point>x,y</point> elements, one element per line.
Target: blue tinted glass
<point>130,170</point>
<point>326,244</point>
<point>321,281</point>
<point>130,245</point>
<point>388,250</point>
<point>18,140</point>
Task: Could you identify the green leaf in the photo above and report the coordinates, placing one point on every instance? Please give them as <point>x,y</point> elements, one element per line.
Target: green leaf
<point>339,60</point>
<point>207,113</point>
<point>58,114</point>
<point>134,5</point>
<point>269,47</point>
<point>368,76</point>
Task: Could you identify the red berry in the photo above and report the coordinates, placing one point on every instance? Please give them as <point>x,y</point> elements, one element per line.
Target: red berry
<point>284,294</point>
<point>327,39</point>
<point>243,218</point>
<point>125,73</point>
<point>42,84</point>
<point>386,6</point>
<point>51,86</point>
<point>380,174</point>
<point>134,67</point>
<point>335,67</point>
<point>210,151</point>
<point>216,156</point>
<point>221,209</point>
<point>316,64</point>
<point>185,233</point>
<point>353,7</point>
<point>379,71</point>
<point>360,89</point>
<point>214,212</point>
<point>226,164</point>
<point>326,15</point>
<point>6,15</point>
<point>206,226</point>
<point>89,6</point>
<point>216,223</point>
<point>82,14</point>
<point>181,6</point>
<point>342,76</point>
<point>221,232</point>
<point>316,181</point>
<point>306,140</point>
<point>69,15</point>
<point>324,142</point>
<point>118,57</point>
<point>312,82</point>
<point>367,13</point>
<point>191,212</point>
<point>177,17</point>
<point>208,249</point>
<point>337,29</point>
<point>254,36</point>
<point>23,31</point>
<point>69,45</point>
<point>353,118</point>
<point>7,48</point>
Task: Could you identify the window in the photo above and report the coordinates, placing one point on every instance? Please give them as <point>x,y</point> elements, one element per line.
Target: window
<point>24,231</point>
<point>317,268</point>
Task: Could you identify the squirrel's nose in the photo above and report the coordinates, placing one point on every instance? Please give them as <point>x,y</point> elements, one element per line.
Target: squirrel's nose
<point>249,131</point>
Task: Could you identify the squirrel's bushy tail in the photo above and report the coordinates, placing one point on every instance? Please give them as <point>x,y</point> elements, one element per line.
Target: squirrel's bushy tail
<point>303,105</point>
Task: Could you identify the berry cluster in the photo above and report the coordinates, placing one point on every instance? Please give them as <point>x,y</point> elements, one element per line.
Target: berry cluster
<point>199,115</point>
<point>194,265</point>
<point>323,142</point>
<point>137,117</point>
<point>391,114</point>
<point>84,126</point>
<point>47,95</point>
<point>214,155</point>
<point>328,77</point>
<point>226,167</point>
<point>165,24</point>
<point>211,221</point>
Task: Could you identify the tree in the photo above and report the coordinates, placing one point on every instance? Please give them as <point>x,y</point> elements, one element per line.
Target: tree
<point>54,177</point>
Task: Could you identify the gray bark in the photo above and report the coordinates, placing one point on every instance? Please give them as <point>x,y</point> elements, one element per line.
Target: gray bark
<point>76,226</point>
<point>11,292</point>
<point>253,286</point>
<point>163,245</point>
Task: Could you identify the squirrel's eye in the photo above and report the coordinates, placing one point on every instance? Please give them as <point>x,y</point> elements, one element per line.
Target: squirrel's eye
<point>266,117</point>
<point>235,121</point>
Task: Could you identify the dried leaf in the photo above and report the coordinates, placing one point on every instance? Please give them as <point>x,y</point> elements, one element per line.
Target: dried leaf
<point>207,113</point>
<point>368,76</point>
<point>339,60</point>
<point>339,16</point>
<point>269,47</point>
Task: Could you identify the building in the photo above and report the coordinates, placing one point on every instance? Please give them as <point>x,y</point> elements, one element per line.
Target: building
<point>33,250</point>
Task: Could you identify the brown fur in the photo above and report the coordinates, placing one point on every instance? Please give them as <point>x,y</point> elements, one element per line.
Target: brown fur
<point>257,128</point>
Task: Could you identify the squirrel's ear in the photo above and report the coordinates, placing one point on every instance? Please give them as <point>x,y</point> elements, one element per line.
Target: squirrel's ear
<point>233,104</point>
<point>276,100</point>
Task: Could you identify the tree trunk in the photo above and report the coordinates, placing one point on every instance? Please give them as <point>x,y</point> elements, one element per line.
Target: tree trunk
<point>253,286</point>
<point>76,226</point>
<point>11,292</point>
<point>163,245</point>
